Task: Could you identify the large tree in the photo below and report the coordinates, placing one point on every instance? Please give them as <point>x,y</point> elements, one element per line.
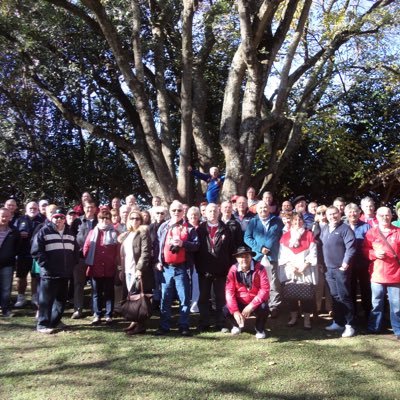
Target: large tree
<point>217,81</point>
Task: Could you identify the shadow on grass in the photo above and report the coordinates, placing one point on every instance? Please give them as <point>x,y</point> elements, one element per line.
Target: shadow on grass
<point>102,363</point>
<point>207,367</point>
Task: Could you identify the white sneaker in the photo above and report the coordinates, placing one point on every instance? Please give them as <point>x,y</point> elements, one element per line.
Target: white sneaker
<point>35,300</point>
<point>348,331</point>
<point>46,331</point>
<point>194,308</point>
<point>260,335</point>
<point>21,301</point>
<point>334,327</point>
<point>236,330</point>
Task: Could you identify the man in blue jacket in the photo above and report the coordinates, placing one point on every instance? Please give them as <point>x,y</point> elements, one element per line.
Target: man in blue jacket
<point>339,248</point>
<point>359,269</point>
<point>262,235</point>
<point>214,182</point>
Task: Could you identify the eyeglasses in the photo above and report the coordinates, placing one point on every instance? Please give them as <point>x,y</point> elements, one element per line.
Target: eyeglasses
<point>135,218</point>
<point>177,210</point>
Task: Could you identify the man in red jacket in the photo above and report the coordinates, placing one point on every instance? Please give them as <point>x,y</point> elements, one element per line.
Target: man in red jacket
<point>382,247</point>
<point>247,292</point>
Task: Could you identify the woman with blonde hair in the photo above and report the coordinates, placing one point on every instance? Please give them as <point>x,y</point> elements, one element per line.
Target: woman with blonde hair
<point>135,261</point>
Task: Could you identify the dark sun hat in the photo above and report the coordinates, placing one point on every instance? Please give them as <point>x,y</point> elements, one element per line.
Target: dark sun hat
<point>243,250</point>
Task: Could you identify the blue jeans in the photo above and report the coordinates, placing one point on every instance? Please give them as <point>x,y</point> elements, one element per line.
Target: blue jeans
<point>275,298</point>
<point>340,287</point>
<point>6,277</point>
<point>375,320</point>
<point>174,277</point>
<point>103,293</point>
<point>52,297</point>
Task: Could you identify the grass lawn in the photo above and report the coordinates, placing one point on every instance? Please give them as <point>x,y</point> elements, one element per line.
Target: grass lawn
<point>88,362</point>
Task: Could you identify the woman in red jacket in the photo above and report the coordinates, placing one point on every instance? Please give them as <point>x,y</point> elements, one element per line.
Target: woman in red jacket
<point>101,251</point>
<point>246,292</point>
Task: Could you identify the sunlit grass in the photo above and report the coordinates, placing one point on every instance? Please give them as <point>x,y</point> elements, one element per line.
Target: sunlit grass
<point>102,363</point>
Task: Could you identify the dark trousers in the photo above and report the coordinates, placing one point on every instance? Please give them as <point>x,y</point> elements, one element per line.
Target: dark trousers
<point>307,306</point>
<point>6,277</point>
<point>205,285</point>
<point>360,275</point>
<point>261,314</point>
<point>52,298</point>
<point>340,287</point>
<point>103,294</point>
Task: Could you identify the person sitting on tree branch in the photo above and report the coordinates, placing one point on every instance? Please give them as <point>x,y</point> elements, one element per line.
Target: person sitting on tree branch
<point>214,182</point>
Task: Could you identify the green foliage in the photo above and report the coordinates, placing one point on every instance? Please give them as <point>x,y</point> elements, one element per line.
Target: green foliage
<point>71,58</point>
<point>346,147</point>
<point>43,156</point>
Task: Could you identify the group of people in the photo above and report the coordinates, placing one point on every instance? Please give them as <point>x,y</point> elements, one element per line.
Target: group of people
<point>243,257</point>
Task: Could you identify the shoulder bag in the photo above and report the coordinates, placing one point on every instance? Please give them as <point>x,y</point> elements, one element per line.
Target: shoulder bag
<point>137,307</point>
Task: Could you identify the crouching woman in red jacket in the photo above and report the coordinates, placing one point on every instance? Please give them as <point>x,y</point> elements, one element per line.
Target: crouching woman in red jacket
<point>247,293</point>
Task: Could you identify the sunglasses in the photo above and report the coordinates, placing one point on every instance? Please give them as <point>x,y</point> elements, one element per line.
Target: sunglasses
<point>321,213</point>
<point>135,218</point>
<point>59,217</point>
<point>160,213</point>
<point>177,210</point>
<point>104,218</point>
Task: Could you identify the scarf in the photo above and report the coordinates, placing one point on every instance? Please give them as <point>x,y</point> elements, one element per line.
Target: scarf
<point>295,236</point>
<point>110,238</point>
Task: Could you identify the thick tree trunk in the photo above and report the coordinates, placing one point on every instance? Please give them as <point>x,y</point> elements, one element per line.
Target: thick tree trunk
<point>137,88</point>
<point>186,101</point>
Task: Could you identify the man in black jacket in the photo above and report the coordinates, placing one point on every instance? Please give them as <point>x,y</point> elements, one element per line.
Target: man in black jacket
<point>212,262</point>
<point>9,239</point>
<point>86,223</point>
<point>56,250</point>
<point>26,225</point>
<point>229,220</point>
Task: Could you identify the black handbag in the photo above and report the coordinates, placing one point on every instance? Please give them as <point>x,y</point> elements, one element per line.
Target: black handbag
<point>294,290</point>
<point>137,307</point>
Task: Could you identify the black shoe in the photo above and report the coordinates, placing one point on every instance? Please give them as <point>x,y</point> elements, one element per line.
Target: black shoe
<point>161,332</point>
<point>274,313</point>
<point>203,328</point>
<point>185,332</point>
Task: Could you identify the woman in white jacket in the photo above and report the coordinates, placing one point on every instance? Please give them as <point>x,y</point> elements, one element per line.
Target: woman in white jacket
<point>298,266</point>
